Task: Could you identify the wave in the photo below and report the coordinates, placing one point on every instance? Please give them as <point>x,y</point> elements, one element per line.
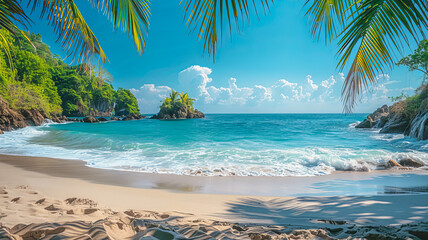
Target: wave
<point>211,160</point>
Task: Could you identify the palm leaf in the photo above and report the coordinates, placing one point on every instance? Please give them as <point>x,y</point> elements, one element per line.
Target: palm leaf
<point>206,15</point>
<point>372,32</point>
<point>75,36</point>
<point>11,13</point>
<point>132,16</point>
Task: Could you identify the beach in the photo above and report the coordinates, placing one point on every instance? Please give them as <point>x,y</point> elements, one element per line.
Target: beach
<point>65,195</point>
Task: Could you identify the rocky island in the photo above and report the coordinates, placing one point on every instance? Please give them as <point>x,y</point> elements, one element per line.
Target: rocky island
<point>409,116</point>
<point>178,106</point>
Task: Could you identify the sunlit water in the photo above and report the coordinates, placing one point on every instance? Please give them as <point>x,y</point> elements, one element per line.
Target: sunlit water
<point>221,144</point>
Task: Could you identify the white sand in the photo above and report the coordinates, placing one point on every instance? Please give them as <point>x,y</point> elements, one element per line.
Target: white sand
<point>109,202</point>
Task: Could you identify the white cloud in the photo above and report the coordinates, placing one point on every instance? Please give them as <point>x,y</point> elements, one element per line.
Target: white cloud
<point>149,97</point>
<point>284,95</point>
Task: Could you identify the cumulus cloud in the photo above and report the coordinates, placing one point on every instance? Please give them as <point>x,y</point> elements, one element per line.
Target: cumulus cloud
<point>149,97</point>
<point>283,94</point>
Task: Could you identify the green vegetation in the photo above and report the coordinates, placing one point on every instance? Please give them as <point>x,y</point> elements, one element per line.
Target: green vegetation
<point>126,103</point>
<point>36,79</point>
<point>418,61</point>
<point>368,32</point>
<point>175,102</point>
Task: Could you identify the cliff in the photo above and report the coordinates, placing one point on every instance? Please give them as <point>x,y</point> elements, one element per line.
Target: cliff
<point>11,119</point>
<point>409,117</point>
<point>34,78</point>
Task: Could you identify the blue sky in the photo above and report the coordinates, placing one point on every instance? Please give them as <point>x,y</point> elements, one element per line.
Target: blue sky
<point>272,65</point>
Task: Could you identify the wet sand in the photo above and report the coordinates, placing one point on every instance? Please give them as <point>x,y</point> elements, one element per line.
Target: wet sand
<point>261,205</point>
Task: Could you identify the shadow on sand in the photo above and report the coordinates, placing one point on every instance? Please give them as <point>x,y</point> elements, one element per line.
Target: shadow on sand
<point>360,210</point>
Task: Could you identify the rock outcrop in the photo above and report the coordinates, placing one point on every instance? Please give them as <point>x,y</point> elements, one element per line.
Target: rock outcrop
<point>182,113</point>
<point>410,162</point>
<point>377,119</point>
<point>133,117</point>
<point>419,126</point>
<point>90,119</point>
<point>9,118</point>
<point>394,120</point>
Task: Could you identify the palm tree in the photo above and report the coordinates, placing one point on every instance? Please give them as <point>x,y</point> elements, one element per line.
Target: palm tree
<point>186,101</point>
<point>75,36</point>
<point>369,32</point>
<point>174,96</point>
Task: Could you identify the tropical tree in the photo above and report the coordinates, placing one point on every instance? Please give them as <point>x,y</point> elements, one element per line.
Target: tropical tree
<point>418,61</point>
<point>177,101</point>
<point>186,101</point>
<point>369,34</point>
<point>72,31</point>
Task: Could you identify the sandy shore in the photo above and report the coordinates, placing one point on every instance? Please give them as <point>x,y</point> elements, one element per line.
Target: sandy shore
<point>63,197</point>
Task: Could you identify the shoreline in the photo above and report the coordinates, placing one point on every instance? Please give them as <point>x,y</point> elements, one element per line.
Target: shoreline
<point>31,179</point>
<point>225,185</point>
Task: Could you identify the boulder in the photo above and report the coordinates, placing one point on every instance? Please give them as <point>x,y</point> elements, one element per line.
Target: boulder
<point>102,119</point>
<point>1,132</point>
<point>133,117</point>
<point>114,119</point>
<point>398,123</point>
<point>365,124</point>
<point>410,162</point>
<point>33,117</point>
<point>391,163</point>
<point>196,114</point>
<point>74,120</point>
<point>90,119</point>
<point>376,119</point>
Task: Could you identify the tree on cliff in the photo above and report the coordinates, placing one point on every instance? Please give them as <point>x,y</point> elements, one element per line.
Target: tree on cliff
<point>418,61</point>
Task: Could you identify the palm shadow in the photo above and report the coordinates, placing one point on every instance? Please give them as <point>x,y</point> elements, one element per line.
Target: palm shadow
<point>360,210</point>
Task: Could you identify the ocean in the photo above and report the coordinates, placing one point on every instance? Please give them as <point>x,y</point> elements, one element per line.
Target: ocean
<point>220,145</point>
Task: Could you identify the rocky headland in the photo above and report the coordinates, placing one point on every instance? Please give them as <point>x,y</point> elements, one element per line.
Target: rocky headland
<point>12,119</point>
<point>409,117</point>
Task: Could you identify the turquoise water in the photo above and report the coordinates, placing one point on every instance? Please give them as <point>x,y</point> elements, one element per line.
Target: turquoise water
<point>221,144</point>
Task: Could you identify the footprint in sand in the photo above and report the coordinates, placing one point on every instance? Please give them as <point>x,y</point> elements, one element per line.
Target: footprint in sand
<point>15,200</point>
<point>40,201</point>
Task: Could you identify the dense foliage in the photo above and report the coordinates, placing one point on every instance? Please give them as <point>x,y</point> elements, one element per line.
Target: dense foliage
<point>36,79</point>
<point>417,61</point>
<point>175,102</point>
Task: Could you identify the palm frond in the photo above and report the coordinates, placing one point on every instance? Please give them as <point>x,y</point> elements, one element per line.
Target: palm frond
<point>206,15</point>
<point>132,16</point>
<point>373,31</point>
<point>11,13</point>
<point>328,16</point>
<point>75,36</point>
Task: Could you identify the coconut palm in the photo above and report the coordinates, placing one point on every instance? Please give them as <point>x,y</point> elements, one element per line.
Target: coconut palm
<point>75,36</point>
<point>174,96</point>
<point>369,34</point>
<point>186,101</point>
